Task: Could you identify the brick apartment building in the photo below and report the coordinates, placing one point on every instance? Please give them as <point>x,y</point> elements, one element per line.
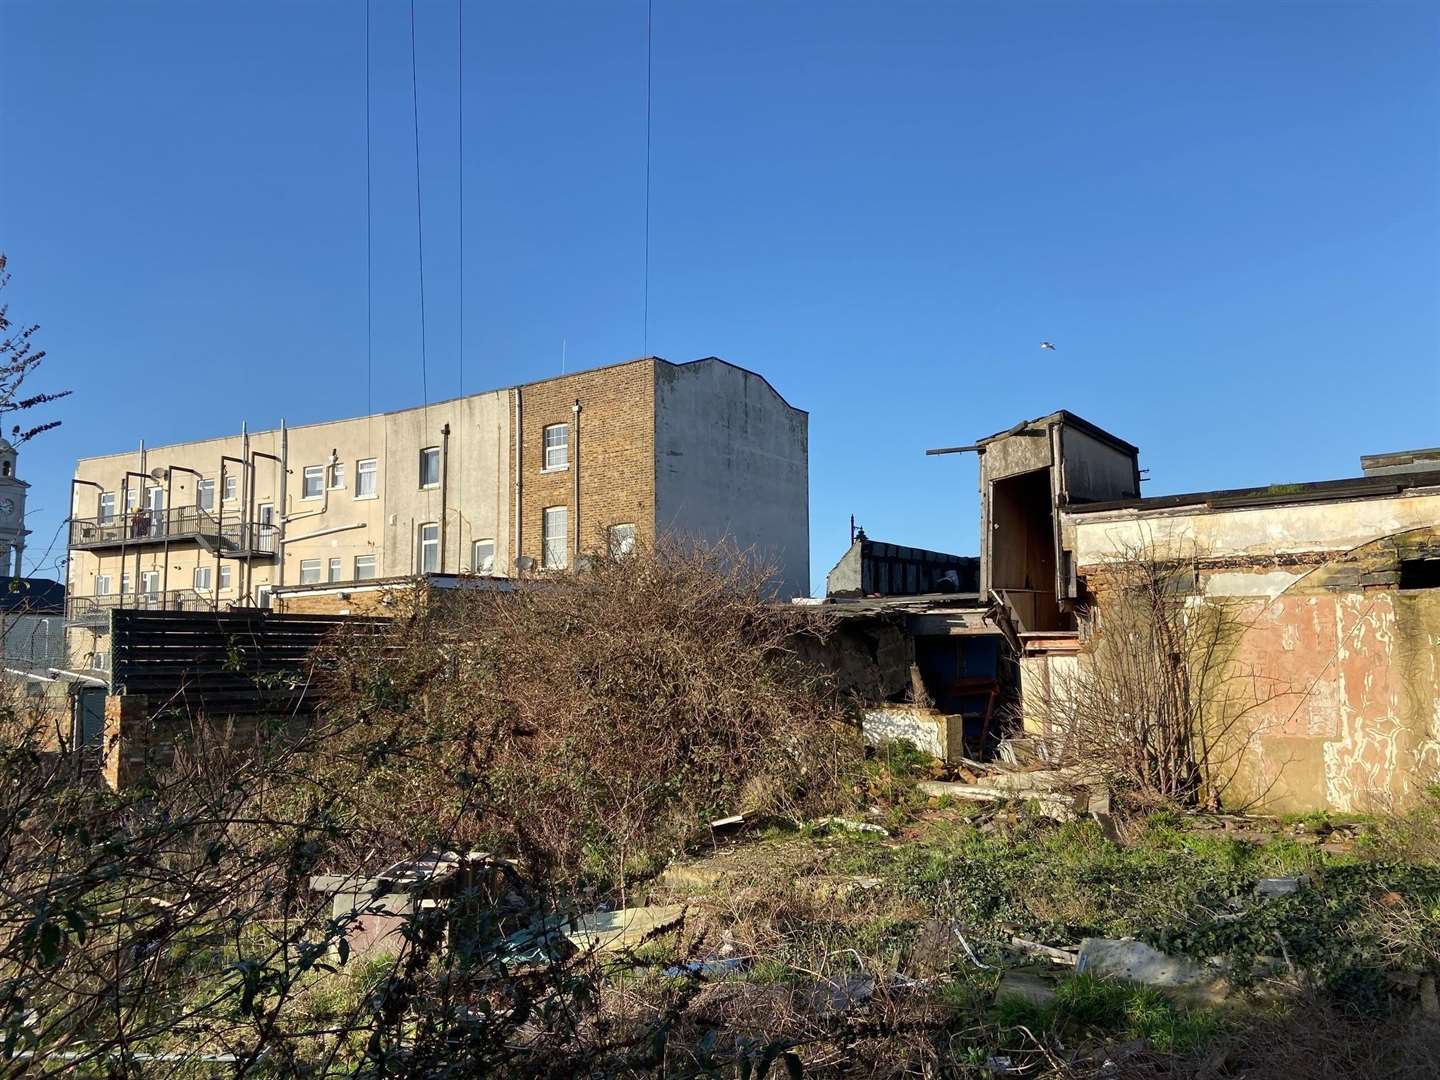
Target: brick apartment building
<point>325,517</point>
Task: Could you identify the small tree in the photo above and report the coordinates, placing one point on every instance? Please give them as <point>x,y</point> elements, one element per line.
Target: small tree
<point>18,358</point>
<point>1160,701</point>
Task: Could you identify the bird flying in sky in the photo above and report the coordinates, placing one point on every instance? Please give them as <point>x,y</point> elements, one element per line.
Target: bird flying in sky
<point>1046,345</point>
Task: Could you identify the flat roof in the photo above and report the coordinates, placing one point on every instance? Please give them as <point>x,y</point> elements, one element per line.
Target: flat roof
<point>462,397</point>
<point>1357,487</point>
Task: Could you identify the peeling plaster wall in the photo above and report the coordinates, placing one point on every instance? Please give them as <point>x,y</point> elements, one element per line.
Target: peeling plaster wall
<point>1347,665</point>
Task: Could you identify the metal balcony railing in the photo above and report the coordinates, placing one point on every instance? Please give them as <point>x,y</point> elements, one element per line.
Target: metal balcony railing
<point>91,610</point>
<point>230,536</point>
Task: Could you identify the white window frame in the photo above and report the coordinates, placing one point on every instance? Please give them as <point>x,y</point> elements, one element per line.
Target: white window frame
<point>311,571</point>
<point>205,494</point>
<point>102,584</point>
<point>620,544</point>
<point>226,578</point>
<point>337,476</point>
<point>149,576</point>
<point>107,514</point>
<point>370,562</point>
<point>367,467</point>
<point>230,486</point>
<point>315,474</point>
<point>555,447</point>
<point>155,499</point>
<point>424,545</point>
<point>555,547</point>
<point>203,578</point>
<point>263,596</point>
<point>265,513</point>
<point>334,572</point>
<point>475,560</point>
<point>124,582</point>
<point>428,455</point>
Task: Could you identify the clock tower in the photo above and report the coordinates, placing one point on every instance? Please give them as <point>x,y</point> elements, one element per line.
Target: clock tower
<point>12,513</point>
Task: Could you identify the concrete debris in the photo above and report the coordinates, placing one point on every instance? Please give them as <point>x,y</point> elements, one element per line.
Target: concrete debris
<point>1067,957</point>
<point>1026,986</point>
<point>851,825</point>
<point>608,930</point>
<point>1135,961</point>
<point>1271,887</point>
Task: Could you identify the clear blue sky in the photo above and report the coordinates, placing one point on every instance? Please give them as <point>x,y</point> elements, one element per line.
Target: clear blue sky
<point>1227,217</point>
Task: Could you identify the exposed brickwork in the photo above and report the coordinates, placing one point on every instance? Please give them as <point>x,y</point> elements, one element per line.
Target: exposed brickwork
<point>370,602</point>
<point>616,455</point>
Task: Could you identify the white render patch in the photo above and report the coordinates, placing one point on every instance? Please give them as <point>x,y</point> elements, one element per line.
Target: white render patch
<point>922,727</point>
<point>1247,583</point>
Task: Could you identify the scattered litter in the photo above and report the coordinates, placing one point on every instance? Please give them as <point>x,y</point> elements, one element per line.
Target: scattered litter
<point>851,825</point>
<point>716,965</point>
<point>731,822</point>
<point>1271,887</point>
<point>998,1065</point>
<point>830,997</point>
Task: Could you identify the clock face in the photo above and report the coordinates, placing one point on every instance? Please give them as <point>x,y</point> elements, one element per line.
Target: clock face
<point>7,507</point>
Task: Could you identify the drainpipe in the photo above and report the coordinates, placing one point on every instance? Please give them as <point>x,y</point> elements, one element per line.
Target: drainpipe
<point>130,521</point>
<point>519,475</point>
<point>220,518</point>
<point>280,517</point>
<point>169,473</point>
<point>575,473</point>
<point>69,547</point>
<point>250,513</point>
<point>444,491</point>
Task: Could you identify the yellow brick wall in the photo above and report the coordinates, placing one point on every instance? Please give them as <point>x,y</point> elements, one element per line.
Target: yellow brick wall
<point>616,454</point>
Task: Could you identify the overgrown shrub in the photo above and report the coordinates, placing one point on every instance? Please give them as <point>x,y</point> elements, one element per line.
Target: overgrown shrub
<point>593,723</point>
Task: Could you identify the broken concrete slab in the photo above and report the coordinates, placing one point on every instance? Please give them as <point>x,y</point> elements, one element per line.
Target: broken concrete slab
<point>627,927</point>
<point>1134,961</point>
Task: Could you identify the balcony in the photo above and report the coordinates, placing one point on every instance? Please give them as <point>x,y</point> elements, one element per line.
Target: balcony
<point>95,610</point>
<point>229,537</point>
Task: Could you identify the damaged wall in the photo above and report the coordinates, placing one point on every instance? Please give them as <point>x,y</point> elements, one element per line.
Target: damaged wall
<point>1349,661</point>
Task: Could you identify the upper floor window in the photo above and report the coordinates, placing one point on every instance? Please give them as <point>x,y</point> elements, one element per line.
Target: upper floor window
<point>364,567</point>
<point>430,548</point>
<point>203,578</point>
<point>337,475</point>
<point>365,479</point>
<point>231,487</point>
<point>621,540</point>
<point>107,506</point>
<point>482,556</point>
<point>225,575</point>
<point>335,569</point>
<point>205,494</point>
<point>430,467</point>
<point>557,446</point>
<point>555,532</point>
<point>102,584</point>
<point>313,484</point>
<point>309,571</point>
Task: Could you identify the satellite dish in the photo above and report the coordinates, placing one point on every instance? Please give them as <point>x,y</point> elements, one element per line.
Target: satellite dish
<point>524,563</point>
<point>158,473</point>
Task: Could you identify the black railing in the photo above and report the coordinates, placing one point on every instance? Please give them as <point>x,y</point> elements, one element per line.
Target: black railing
<point>232,536</point>
<point>142,527</point>
<point>84,609</point>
